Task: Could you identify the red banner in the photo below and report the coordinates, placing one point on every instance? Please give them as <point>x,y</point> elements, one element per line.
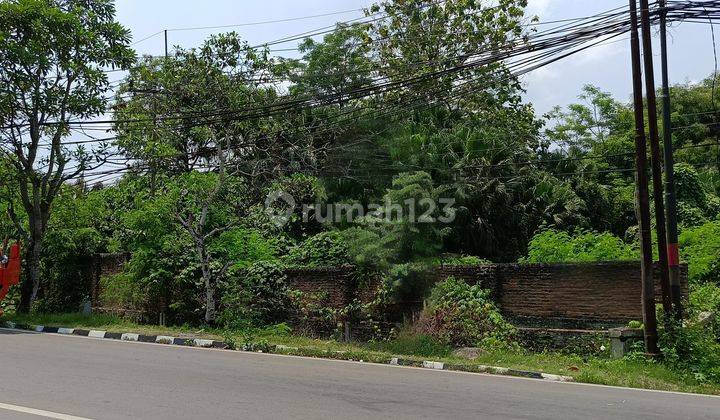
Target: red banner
<point>10,274</point>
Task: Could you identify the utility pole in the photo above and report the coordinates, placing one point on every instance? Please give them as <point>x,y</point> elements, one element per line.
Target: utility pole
<point>656,164</point>
<point>670,197</point>
<point>166,49</point>
<point>642,200</point>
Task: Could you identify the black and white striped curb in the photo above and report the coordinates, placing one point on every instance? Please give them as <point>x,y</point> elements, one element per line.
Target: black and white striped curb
<point>481,369</point>
<point>160,339</point>
<point>296,351</point>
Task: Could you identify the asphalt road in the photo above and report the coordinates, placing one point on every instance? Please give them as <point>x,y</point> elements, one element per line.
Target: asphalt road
<point>102,379</point>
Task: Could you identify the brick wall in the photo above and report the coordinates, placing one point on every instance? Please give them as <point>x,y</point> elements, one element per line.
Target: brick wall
<point>339,283</point>
<point>336,282</point>
<point>596,295</point>
<point>593,295</point>
<point>564,295</point>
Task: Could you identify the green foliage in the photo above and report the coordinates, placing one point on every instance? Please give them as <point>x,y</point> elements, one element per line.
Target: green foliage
<point>689,216</point>
<point>337,64</point>
<point>430,36</point>
<point>255,296</point>
<point>691,196</point>
<point>220,74</point>
<point>706,298</point>
<point>460,260</point>
<point>67,268</point>
<point>700,248</point>
<point>463,315</point>
<point>635,324</point>
<point>552,246</point>
<point>121,291</point>
<point>693,348</point>
<point>303,190</point>
<point>367,249</point>
<point>322,250</point>
<point>54,58</point>
<point>588,125</point>
<point>409,225</point>
<point>243,247</point>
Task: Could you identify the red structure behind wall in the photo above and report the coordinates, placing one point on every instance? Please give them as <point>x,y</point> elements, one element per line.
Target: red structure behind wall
<point>10,274</point>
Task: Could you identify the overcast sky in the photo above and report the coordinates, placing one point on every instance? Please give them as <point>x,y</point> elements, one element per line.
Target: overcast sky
<point>608,66</point>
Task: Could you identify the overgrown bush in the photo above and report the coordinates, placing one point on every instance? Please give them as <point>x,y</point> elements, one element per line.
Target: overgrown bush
<point>241,247</point>
<point>121,291</point>
<point>551,246</point>
<point>322,250</point>
<point>165,277</point>
<point>312,314</point>
<point>67,267</point>
<point>408,282</point>
<point>692,347</point>
<point>700,248</point>
<point>459,260</point>
<point>705,298</point>
<point>463,315</point>
<point>255,296</point>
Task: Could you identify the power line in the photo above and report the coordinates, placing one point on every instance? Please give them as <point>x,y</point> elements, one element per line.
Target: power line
<point>266,22</point>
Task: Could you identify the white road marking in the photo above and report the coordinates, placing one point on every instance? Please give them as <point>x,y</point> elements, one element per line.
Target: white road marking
<point>41,413</point>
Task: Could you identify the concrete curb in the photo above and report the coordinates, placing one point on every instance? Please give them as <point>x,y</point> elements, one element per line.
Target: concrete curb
<point>160,339</point>
<point>280,349</point>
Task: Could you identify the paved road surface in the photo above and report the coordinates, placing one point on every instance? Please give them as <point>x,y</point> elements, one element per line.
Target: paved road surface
<point>101,379</point>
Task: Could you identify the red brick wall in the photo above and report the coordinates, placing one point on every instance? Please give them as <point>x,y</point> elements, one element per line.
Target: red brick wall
<point>550,295</point>
<point>340,284</point>
<point>563,295</point>
<point>337,282</point>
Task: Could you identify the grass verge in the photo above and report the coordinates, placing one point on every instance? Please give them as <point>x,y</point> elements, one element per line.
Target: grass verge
<point>595,370</point>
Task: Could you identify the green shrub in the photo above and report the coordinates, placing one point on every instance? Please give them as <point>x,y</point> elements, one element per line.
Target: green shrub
<point>690,216</point>
<point>695,346</point>
<point>460,260</point>
<point>692,347</point>
<point>408,282</point>
<point>368,250</point>
<point>706,298</point>
<point>167,275</point>
<point>242,247</point>
<point>700,248</point>
<point>688,186</point>
<point>552,246</point>
<point>463,315</point>
<point>255,296</point>
<point>322,250</point>
<point>66,267</point>
<point>120,291</point>
<point>713,207</point>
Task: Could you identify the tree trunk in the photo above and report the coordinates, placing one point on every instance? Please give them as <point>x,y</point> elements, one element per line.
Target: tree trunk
<point>209,280</point>
<point>31,279</point>
<point>210,306</point>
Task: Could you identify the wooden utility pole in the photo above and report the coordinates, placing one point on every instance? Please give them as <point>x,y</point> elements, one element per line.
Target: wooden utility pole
<point>642,200</point>
<point>670,197</point>
<point>656,162</point>
<point>166,46</point>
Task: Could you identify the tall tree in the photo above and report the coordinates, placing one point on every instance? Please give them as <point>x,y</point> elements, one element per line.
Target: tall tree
<point>168,107</point>
<point>52,59</point>
<point>427,37</point>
